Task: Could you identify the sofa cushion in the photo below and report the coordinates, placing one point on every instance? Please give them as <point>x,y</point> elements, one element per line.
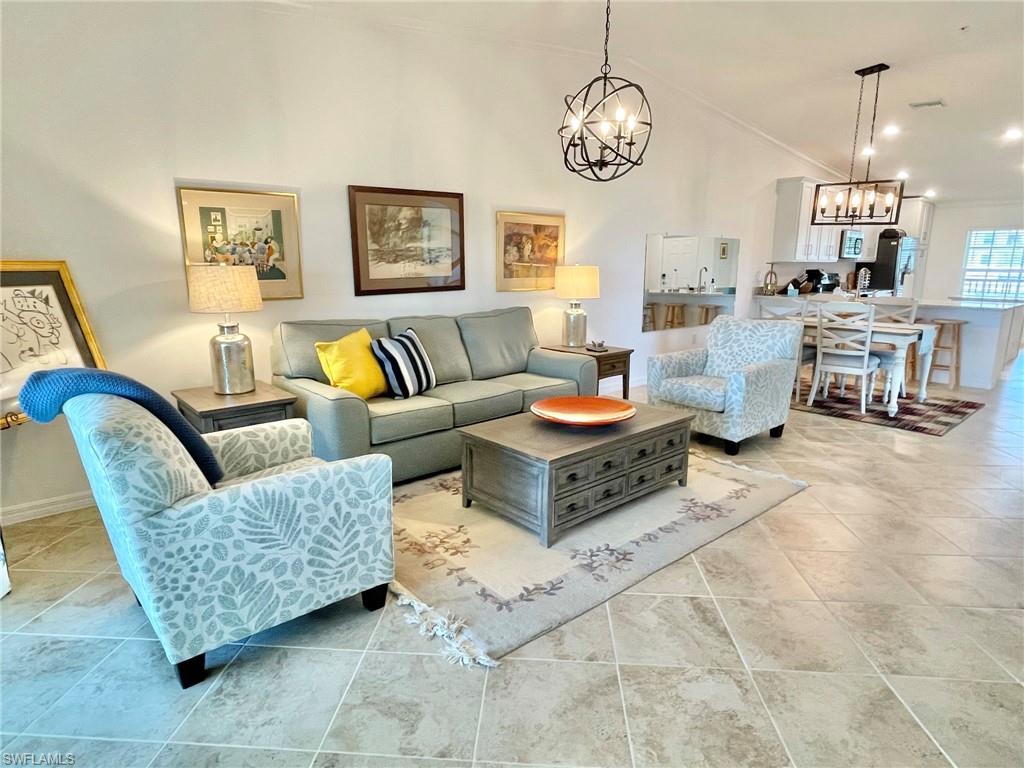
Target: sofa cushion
<point>735,343</point>
<point>398,419</point>
<point>349,364</point>
<point>475,401</point>
<point>537,387</point>
<point>440,338</point>
<point>498,342</point>
<point>706,393</point>
<point>292,351</point>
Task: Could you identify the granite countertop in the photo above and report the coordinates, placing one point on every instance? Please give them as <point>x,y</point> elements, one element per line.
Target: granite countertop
<point>954,302</point>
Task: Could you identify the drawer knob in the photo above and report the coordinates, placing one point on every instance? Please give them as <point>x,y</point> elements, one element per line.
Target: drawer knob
<point>607,493</point>
<point>641,479</point>
<point>671,442</point>
<point>572,477</point>
<point>608,464</point>
<point>571,507</point>
<point>669,467</point>
<point>642,452</point>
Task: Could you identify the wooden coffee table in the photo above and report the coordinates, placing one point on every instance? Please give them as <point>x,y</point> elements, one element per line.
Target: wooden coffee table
<point>550,477</point>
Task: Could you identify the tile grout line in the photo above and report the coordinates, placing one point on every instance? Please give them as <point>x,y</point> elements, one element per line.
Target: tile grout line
<point>480,715</point>
<point>12,564</point>
<point>72,686</point>
<point>885,680</point>
<point>746,666</point>
<point>213,684</point>
<point>618,677</point>
<point>359,664</point>
<point>58,601</point>
<point>1015,678</point>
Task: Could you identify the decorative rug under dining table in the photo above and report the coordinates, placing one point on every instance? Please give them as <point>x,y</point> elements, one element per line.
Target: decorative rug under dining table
<point>485,586</point>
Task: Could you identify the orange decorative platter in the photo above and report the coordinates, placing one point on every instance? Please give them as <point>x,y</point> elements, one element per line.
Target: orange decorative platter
<point>583,411</point>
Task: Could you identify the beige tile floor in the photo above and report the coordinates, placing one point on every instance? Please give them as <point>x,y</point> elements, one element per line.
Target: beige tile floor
<point>874,619</point>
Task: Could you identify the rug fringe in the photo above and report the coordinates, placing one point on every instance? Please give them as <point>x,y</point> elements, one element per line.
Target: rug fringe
<point>700,454</point>
<point>460,646</point>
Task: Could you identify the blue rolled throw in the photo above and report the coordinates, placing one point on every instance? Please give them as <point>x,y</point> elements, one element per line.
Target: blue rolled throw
<point>44,393</point>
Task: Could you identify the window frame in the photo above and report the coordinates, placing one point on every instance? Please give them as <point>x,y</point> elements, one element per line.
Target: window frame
<point>984,274</point>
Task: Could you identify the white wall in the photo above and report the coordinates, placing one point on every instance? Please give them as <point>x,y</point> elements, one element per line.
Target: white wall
<point>105,105</point>
<point>945,260</point>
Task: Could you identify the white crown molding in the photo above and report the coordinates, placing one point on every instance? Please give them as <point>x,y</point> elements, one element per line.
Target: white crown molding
<point>33,510</point>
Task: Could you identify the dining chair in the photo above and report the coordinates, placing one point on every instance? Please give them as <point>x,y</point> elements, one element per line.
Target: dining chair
<point>793,309</point>
<point>844,346</point>
<point>892,309</point>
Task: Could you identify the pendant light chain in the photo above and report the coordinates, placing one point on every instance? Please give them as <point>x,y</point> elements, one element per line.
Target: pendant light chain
<point>874,114</point>
<point>856,129</point>
<point>606,67</point>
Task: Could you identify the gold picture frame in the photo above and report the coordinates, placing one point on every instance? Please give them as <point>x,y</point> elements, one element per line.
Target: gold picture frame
<point>244,226</point>
<point>44,327</point>
<point>528,247</point>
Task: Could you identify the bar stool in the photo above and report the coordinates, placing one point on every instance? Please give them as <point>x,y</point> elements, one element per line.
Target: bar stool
<point>648,324</point>
<point>951,345</point>
<point>675,316</point>
<point>708,312</point>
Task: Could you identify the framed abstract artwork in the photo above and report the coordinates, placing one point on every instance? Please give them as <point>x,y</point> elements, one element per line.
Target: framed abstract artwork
<point>529,247</point>
<point>44,327</point>
<point>406,240</point>
<point>245,227</point>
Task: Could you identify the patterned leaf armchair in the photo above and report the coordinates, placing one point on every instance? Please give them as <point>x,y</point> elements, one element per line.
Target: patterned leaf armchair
<point>737,387</point>
<point>281,535</point>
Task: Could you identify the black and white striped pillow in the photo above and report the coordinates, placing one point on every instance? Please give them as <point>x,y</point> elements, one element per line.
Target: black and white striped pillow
<point>406,367</point>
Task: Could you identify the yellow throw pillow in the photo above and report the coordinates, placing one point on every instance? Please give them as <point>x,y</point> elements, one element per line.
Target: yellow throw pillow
<point>349,364</point>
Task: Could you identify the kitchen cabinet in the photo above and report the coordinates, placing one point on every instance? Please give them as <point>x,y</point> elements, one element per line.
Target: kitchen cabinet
<point>794,238</point>
<point>916,218</point>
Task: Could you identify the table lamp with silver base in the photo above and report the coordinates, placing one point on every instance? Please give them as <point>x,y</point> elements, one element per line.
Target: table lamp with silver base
<point>575,283</point>
<point>216,288</point>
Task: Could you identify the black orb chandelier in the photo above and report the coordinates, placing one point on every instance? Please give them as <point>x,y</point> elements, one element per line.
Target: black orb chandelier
<point>607,124</point>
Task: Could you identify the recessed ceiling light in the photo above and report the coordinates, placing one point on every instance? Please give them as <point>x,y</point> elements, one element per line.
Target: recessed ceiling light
<point>868,151</point>
<point>903,175</point>
<point>1012,134</point>
<point>891,130</point>
<point>929,193</point>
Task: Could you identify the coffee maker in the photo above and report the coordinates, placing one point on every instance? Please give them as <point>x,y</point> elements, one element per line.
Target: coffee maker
<point>822,281</point>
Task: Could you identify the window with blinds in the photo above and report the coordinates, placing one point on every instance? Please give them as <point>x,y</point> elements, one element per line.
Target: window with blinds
<point>994,264</point>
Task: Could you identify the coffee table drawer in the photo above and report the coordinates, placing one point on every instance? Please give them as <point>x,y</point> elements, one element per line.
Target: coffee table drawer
<point>671,442</point>
<point>609,464</point>
<point>571,507</point>
<point>573,476</point>
<point>643,477</point>
<point>670,465</point>
<point>642,451</point>
<point>609,491</point>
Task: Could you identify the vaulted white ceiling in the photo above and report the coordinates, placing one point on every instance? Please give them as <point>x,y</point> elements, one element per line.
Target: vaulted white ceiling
<point>787,69</point>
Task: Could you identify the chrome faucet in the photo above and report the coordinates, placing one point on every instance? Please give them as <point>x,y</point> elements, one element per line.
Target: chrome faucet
<point>700,284</point>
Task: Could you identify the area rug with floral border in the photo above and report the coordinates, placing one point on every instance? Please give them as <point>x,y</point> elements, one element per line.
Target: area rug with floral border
<point>485,586</point>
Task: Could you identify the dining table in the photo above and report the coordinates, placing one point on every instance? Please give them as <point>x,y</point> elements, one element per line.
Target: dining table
<point>900,336</point>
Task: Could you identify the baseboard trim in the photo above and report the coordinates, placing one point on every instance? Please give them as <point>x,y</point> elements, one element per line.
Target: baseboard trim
<point>33,510</point>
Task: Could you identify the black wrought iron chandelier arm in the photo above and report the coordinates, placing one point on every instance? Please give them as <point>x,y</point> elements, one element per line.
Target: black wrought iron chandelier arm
<point>606,67</point>
<point>856,129</point>
<point>874,115</point>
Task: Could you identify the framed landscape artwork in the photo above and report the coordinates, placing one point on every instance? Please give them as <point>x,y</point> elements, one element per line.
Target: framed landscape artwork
<point>245,227</point>
<point>44,327</point>
<point>529,247</point>
<point>406,240</point>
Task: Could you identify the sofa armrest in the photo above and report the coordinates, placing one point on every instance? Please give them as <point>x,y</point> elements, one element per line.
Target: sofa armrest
<point>565,365</point>
<point>220,565</point>
<point>340,420</point>
<point>673,365</point>
<point>246,450</point>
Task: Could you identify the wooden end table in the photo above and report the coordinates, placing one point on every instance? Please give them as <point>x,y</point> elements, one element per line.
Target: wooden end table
<point>613,361</point>
<point>207,411</point>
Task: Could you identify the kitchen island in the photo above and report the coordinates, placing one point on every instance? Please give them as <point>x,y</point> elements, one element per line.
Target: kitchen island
<point>990,340</point>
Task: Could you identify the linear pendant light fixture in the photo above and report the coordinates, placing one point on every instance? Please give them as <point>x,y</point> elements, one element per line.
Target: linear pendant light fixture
<point>860,202</point>
<point>607,124</point>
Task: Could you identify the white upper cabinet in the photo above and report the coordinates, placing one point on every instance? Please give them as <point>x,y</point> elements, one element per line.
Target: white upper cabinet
<point>916,219</point>
<point>795,239</point>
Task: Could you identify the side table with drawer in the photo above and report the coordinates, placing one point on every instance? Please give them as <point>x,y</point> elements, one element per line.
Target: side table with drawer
<point>207,411</point>
<point>611,361</point>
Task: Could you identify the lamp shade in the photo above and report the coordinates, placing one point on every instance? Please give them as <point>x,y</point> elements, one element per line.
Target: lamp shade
<point>577,282</point>
<point>218,289</point>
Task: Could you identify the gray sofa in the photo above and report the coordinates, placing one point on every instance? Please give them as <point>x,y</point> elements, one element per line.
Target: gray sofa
<point>488,365</point>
